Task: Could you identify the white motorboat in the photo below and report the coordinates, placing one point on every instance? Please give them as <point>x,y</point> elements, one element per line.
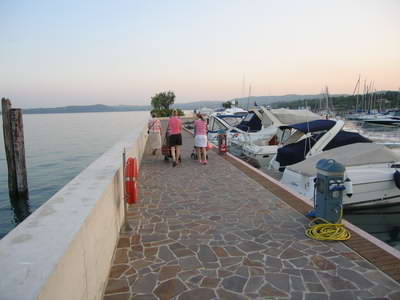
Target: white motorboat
<point>310,138</point>
<point>391,118</point>
<point>370,167</point>
<point>231,111</point>
<point>363,116</point>
<point>256,137</point>
<point>205,111</point>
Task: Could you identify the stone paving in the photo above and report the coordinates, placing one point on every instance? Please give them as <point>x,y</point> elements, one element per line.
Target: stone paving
<point>211,232</point>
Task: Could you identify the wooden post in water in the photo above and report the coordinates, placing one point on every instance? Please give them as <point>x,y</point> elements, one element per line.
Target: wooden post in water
<point>13,132</point>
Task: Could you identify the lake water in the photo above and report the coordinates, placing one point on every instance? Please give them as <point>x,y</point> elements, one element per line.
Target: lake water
<point>58,147</point>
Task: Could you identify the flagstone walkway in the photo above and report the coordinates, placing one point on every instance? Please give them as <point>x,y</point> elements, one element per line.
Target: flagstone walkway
<point>212,232</point>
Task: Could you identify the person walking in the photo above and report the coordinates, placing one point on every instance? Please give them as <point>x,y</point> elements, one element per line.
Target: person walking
<point>154,130</point>
<point>175,137</point>
<point>200,138</point>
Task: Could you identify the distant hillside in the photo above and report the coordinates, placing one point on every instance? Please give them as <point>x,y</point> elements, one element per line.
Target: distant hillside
<point>198,104</point>
<point>267,100</point>
<point>85,109</point>
<point>260,100</point>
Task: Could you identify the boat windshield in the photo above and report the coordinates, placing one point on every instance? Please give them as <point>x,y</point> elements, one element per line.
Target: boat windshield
<point>251,123</point>
<point>216,125</point>
<point>232,120</point>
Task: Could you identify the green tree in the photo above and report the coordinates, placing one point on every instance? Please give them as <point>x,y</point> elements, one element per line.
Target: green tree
<point>161,103</point>
<point>227,104</point>
<point>163,100</point>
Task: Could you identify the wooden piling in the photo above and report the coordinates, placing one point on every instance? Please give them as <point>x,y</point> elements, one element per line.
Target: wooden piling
<point>15,150</point>
<point>17,130</point>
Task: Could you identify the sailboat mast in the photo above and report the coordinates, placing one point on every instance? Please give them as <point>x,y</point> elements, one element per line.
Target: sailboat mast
<point>370,97</point>
<point>355,88</point>
<point>248,98</point>
<point>327,99</point>
<point>364,105</point>
<point>320,100</point>
<point>243,85</point>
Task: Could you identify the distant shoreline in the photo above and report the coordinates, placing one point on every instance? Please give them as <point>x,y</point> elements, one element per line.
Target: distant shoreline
<point>29,112</point>
<point>243,102</point>
<point>84,109</point>
<point>261,100</point>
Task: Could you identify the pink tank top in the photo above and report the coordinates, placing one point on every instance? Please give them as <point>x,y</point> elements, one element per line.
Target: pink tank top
<point>174,125</point>
<point>200,127</point>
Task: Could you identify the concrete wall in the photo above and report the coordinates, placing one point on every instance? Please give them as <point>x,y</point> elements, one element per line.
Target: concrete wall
<point>64,249</point>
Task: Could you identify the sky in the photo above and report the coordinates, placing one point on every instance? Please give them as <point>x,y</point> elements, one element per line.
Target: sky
<point>74,52</point>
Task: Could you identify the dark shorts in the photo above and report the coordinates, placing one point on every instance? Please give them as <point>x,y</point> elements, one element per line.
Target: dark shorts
<point>175,140</point>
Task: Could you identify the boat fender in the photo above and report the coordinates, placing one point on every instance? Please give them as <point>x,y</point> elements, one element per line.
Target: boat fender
<point>396,178</point>
<point>131,176</point>
<point>348,184</point>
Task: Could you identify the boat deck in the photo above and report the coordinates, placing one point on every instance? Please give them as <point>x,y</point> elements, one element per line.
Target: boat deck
<point>220,231</point>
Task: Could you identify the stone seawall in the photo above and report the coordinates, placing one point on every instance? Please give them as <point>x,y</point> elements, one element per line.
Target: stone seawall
<point>64,249</point>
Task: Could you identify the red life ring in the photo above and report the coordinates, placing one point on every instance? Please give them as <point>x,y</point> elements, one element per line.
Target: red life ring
<point>131,174</point>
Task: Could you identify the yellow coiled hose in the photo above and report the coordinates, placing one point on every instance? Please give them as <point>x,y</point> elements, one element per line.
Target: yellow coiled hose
<point>327,231</point>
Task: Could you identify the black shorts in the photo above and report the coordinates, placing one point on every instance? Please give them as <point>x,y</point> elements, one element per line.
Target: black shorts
<point>175,140</point>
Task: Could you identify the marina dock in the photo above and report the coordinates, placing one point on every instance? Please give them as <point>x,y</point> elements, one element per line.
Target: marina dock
<point>222,231</point>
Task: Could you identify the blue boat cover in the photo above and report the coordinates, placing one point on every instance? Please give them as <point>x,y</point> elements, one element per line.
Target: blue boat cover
<point>344,138</point>
<point>251,123</point>
<point>296,152</point>
<point>312,126</point>
<point>396,178</point>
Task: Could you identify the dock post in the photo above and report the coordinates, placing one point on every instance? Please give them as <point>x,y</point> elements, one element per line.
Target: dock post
<point>13,133</point>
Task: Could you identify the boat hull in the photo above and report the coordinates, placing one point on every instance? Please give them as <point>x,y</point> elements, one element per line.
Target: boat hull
<point>384,122</point>
<point>260,155</point>
<point>372,186</point>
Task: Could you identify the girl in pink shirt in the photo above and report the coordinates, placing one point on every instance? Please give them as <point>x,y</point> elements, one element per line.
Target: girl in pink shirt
<point>200,138</point>
<point>175,137</point>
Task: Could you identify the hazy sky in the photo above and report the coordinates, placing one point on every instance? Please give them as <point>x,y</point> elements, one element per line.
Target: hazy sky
<point>56,53</point>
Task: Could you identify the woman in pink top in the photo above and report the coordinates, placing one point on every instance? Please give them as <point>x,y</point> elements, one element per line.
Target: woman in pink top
<point>175,137</point>
<point>200,138</point>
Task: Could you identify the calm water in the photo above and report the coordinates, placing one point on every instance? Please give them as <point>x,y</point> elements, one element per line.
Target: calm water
<point>58,147</point>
